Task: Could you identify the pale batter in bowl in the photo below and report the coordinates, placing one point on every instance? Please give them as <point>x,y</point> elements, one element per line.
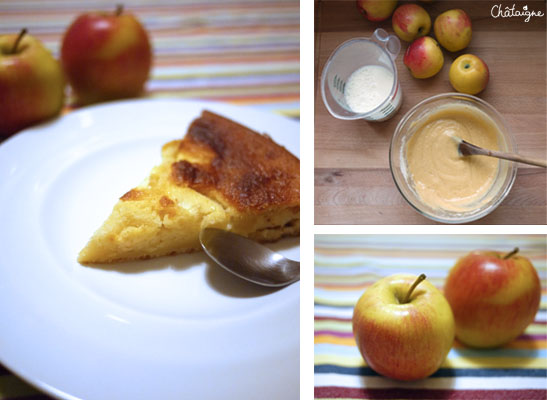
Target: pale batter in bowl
<point>441,176</point>
<point>430,174</point>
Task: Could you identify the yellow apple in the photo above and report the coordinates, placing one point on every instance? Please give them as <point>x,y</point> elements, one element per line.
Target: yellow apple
<point>424,57</point>
<point>453,29</point>
<point>376,10</point>
<point>32,85</point>
<point>410,21</point>
<point>469,74</point>
<point>403,327</point>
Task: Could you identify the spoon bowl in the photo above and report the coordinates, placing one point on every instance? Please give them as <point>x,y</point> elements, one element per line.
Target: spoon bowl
<point>248,259</point>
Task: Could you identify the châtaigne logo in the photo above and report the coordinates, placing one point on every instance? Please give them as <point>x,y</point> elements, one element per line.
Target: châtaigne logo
<point>506,12</point>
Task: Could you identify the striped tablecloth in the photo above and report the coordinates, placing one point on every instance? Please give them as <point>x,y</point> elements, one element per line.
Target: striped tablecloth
<point>244,52</point>
<point>345,265</point>
<point>238,51</point>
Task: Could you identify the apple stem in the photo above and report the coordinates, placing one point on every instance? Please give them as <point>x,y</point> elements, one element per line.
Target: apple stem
<point>18,40</point>
<point>416,283</point>
<point>512,253</point>
<point>119,9</point>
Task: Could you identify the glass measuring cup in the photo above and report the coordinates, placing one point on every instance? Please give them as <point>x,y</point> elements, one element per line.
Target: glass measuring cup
<point>381,50</point>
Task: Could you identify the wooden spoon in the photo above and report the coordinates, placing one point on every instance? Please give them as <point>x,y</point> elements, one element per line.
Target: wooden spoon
<point>468,149</point>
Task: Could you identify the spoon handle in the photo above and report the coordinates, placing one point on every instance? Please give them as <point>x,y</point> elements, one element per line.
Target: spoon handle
<point>517,158</point>
<point>467,148</point>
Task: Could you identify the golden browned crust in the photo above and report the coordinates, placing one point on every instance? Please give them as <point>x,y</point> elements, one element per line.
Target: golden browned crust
<point>237,166</point>
<point>133,194</point>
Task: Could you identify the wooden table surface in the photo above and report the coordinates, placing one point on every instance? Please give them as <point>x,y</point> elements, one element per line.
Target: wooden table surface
<point>353,183</point>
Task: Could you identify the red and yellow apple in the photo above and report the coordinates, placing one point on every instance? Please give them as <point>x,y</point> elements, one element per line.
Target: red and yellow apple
<point>403,327</point>
<point>424,58</point>
<point>376,10</point>
<point>468,74</point>
<point>32,84</point>
<point>494,297</point>
<point>410,21</point>
<point>453,29</point>
<point>106,56</point>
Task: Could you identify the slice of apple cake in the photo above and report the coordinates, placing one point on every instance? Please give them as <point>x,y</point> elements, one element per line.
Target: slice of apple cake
<point>221,174</point>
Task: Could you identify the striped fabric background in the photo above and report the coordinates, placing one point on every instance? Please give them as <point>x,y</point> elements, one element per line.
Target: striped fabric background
<point>245,52</point>
<point>345,265</point>
<point>238,51</point>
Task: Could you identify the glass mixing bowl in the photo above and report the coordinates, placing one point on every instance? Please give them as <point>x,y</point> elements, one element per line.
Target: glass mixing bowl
<point>397,159</point>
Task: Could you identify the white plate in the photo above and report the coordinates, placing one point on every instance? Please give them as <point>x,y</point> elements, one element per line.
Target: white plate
<point>170,328</point>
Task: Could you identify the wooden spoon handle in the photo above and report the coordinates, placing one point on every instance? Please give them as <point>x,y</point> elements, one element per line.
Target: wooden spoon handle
<point>466,149</point>
<point>517,158</point>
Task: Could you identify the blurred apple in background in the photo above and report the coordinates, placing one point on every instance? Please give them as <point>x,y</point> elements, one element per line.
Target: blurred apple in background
<point>494,297</point>
<point>453,29</point>
<point>376,10</point>
<point>403,327</point>
<point>106,56</point>
<point>424,58</point>
<point>31,83</point>
<point>469,74</point>
<point>410,21</point>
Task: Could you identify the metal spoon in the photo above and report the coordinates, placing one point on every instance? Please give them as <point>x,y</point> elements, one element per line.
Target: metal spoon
<point>249,260</point>
<point>468,149</point>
